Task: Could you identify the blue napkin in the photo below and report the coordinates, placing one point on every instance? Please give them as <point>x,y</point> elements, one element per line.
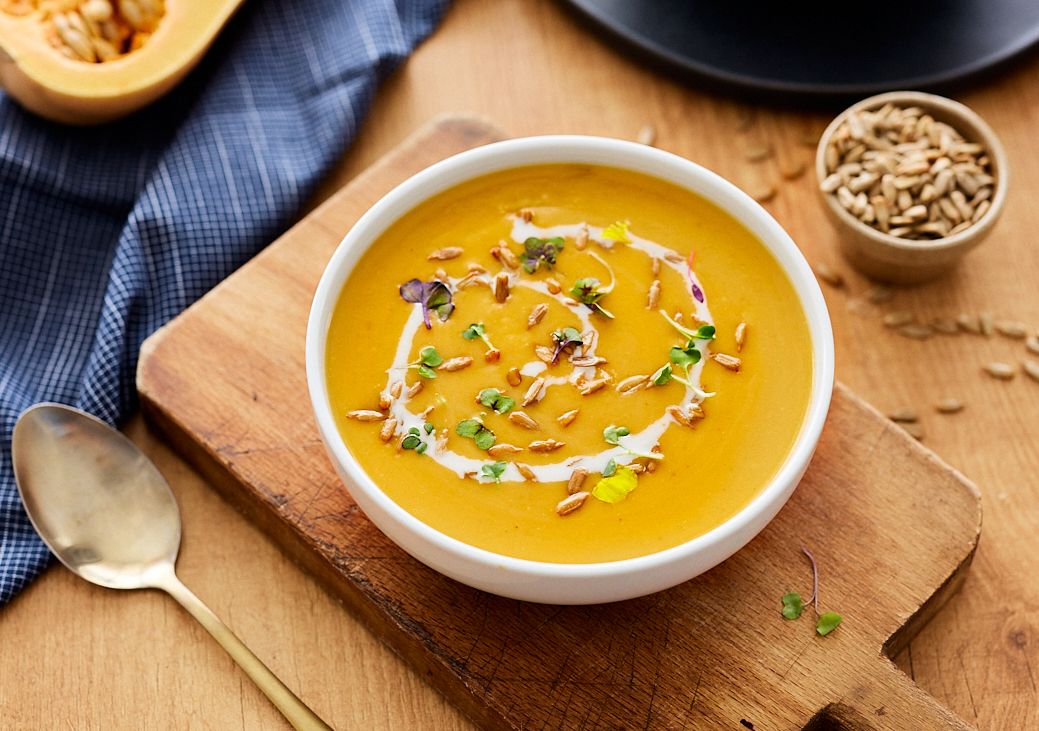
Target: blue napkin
<point>109,232</point>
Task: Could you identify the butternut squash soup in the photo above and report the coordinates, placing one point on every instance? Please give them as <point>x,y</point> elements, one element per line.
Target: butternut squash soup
<point>569,363</point>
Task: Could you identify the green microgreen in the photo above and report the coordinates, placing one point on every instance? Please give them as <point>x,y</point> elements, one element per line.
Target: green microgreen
<point>494,399</point>
<point>614,488</point>
<point>494,470</point>
<point>588,291</point>
<point>538,252</point>
<point>617,231</point>
<point>704,332</point>
<point>662,376</point>
<point>612,434</point>
<point>475,430</point>
<point>421,449</point>
<point>428,359</point>
<point>610,468</point>
<point>411,441</point>
<point>433,296</point>
<point>792,606</point>
<point>428,428</point>
<point>414,430</point>
<point>477,330</point>
<point>565,339</point>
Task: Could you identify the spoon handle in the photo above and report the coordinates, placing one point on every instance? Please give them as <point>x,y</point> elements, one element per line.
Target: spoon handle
<point>297,713</point>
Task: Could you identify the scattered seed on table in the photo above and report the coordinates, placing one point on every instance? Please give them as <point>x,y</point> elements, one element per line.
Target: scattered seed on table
<point>912,429</point>
<point>968,323</point>
<point>897,319</point>
<point>946,326</point>
<point>792,171</point>
<point>647,135</point>
<point>763,193</point>
<point>1015,330</point>
<point>948,406</point>
<point>757,153</point>
<point>987,326</point>
<point>904,414</point>
<point>1031,368</point>
<point>829,275</point>
<point>1032,343</point>
<point>1002,371</point>
<point>879,293</point>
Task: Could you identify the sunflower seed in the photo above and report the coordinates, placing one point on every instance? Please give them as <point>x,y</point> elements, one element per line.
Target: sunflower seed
<point>654,295</point>
<point>647,135</point>
<point>948,406</point>
<point>526,471</point>
<point>502,450</point>
<point>727,361</point>
<point>388,428</point>
<point>545,445</point>
<point>572,503</point>
<point>678,415</point>
<point>534,393</point>
<point>385,401</point>
<point>1032,343</point>
<point>448,252</point>
<point>544,353</point>
<point>674,257</point>
<point>987,325</point>
<point>757,153</point>
<point>793,170</point>
<point>1031,368</point>
<point>501,287</point>
<point>365,415</point>
<point>581,242</point>
<point>967,323</point>
<point>526,214</point>
<point>1002,371</point>
<point>567,418</point>
<point>903,414</point>
<point>897,319</point>
<point>415,390</point>
<point>741,336</point>
<point>504,255</point>
<point>917,332</point>
<point>829,275</point>
<point>695,411</point>
<point>455,364</point>
<point>1015,330</point>
<point>913,430</point>
<point>520,419</point>
<point>946,326</point>
<point>594,386</point>
<point>576,481</point>
<point>632,384</point>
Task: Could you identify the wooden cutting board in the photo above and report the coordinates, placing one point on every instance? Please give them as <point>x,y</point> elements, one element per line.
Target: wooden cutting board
<point>892,527</point>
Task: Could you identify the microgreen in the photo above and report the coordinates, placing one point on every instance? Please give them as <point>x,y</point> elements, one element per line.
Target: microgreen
<point>540,251</point>
<point>704,332</point>
<point>662,376</point>
<point>565,339</point>
<point>421,449</point>
<point>477,330</point>
<point>792,606</point>
<point>411,441</point>
<point>685,357</point>
<point>610,468</point>
<point>590,290</point>
<point>428,359</point>
<point>433,296</point>
<point>494,399</point>
<point>476,431</point>
<point>428,428</point>
<point>494,470</point>
<point>616,487</point>
<point>612,435</point>
<point>617,231</point>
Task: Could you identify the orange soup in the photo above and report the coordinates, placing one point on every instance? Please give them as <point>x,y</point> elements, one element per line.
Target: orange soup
<point>569,363</point>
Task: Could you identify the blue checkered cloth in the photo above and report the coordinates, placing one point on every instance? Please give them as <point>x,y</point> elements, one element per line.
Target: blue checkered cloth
<point>109,232</point>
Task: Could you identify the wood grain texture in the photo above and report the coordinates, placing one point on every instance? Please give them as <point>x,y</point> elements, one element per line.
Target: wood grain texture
<point>706,653</point>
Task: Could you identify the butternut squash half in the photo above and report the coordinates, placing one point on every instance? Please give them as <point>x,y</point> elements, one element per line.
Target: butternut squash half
<point>51,66</point>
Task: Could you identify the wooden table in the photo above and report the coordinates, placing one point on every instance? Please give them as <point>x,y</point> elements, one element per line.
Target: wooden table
<point>73,656</point>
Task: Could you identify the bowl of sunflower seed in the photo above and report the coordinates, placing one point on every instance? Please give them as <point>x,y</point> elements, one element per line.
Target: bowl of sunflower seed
<point>912,181</point>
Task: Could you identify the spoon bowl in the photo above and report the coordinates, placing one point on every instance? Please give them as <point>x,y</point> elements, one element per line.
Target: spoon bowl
<point>106,512</point>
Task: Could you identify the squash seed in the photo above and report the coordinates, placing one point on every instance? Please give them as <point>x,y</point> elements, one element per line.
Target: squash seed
<point>1032,343</point>
<point>514,377</point>
<point>897,319</point>
<point>968,323</point>
<point>917,332</point>
<point>647,135</point>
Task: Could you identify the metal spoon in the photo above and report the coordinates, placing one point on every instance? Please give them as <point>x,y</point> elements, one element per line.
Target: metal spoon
<point>105,511</point>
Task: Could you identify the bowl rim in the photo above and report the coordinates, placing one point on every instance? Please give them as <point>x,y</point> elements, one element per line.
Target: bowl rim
<point>947,108</point>
<point>579,149</point>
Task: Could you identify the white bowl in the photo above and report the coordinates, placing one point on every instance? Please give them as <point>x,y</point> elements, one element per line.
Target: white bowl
<point>554,583</point>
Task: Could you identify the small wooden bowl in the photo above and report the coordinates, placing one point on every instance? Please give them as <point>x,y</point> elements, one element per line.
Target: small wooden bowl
<point>887,258</point>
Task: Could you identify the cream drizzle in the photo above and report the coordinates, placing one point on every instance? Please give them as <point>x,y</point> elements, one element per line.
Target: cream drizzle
<point>643,441</point>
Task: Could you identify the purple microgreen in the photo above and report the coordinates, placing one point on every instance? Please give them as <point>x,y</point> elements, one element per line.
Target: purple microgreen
<point>476,431</point>
<point>477,330</point>
<point>697,292</point>
<point>539,252</point>
<point>565,339</point>
<point>433,296</point>
<point>792,607</point>
<point>494,470</point>
<point>617,232</point>
<point>494,399</point>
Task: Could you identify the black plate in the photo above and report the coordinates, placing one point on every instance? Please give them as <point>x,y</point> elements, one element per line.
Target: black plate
<point>815,52</point>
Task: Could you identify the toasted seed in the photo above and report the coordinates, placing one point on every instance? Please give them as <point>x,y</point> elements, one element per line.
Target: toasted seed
<point>503,254</point>
<point>526,471</point>
<point>831,183</point>
<point>948,406</point>
<point>567,418</point>
<point>514,377</point>
<point>576,481</point>
<point>441,444</point>
<point>501,287</point>
<point>534,393</point>
<point>741,336</point>
<point>967,323</point>
<point>678,415</point>
<point>441,276</point>
<point>878,294</point>
<point>520,419</point>
<point>793,170</point>
<point>987,325</point>
<point>395,388</point>
<point>946,326</point>
<point>502,450</point>
<point>581,242</point>
<point>654,295</point>
<point>427,411</point>
<point>492,356</point>
<point>828,275</point>
<point>594,386</point>
<point>903,414</point>
<point>545,445</point>
<point>674,257</point>
<point>757,153</point>
<point>637,468</point>
<point>1031,368</point>
<point>980,211</point>
<point>656,267</point>
<point>1015,330</point>
<point>448,252</point>
<point>695,411</point>
<point>1003,371</point>
<point>588,361</point>
<point>385,401</point>
<point>632,384</point>
<point>572,503</point>
<point>727,361</point>
<point>526,214</point>
<point>1032,343</point>
<point>763,192</point>
<point>897,319</point>
<point>536,315</point>
<point>917,332</point>
<point>647,135</point>
<point>415,389</point>
<point>365,415</point>
<point>913,430</point>
<point>388,428</point>
<point>544,353</point>
<point>455,364</point>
